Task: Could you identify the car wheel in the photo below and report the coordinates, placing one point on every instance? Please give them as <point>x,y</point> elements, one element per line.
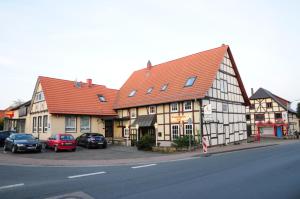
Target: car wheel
<point>4,148</point>
<point>56,149</point>
<point>14,149</point>
<point>73,150</point>
<point>39,151</point>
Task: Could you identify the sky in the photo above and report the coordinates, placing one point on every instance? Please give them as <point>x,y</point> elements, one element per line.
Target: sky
<point>108,40</point>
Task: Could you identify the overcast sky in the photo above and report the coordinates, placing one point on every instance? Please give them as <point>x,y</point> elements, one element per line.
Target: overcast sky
<point>108,40</point>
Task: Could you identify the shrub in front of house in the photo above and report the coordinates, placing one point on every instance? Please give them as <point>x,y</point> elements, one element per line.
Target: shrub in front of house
<point>183,142</point>
<point>146,143</point>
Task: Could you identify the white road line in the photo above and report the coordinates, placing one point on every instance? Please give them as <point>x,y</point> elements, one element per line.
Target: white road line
<point>142,166</point>
<point>88,174</point>
<point>11,186</point>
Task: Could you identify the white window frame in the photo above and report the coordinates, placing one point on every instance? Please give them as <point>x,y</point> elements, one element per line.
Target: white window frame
<point>172,132</point>
<point>40,124</point>
<point>172,107</point>
<point>34,124</point>
<point>85,128</point>
<point>70,129</point>
<point>131,113</point>
<point>188,129</point>
<point>184,106</point>
<point>152,110</point>
<point>132,93</point>
<point>45,123</point>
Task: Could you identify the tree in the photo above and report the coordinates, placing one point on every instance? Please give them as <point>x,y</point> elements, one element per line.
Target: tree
<point>298,110</point>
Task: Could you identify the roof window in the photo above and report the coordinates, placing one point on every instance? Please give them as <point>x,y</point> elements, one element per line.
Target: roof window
<point>101,98</point>
<point>132,93</point>
<point>190,81</point>
<point>164,87</point>
<point>149,90</point>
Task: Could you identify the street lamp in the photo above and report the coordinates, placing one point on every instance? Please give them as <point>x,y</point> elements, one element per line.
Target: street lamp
<point>137,132</point>
<point>156,127</point>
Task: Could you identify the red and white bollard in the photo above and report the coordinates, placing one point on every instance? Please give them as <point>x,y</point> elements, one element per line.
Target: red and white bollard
<point>204,145</point>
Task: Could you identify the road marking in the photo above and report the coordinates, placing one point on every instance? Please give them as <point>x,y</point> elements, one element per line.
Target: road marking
<point>11,186</point>
<point>88,174</point>
<point>142,166</point>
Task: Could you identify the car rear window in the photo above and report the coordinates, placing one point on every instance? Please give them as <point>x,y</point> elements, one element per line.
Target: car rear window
<point>66,137</point>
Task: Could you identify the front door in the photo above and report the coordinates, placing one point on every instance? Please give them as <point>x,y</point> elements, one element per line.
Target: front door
<point>109,128</point>
<point>279,131</point>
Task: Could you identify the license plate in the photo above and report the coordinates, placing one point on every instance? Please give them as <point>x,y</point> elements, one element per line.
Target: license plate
<point>31,147</point>
<point>100,143</point>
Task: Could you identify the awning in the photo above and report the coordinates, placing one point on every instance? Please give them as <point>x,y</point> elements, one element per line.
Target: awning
<point>145,120</point>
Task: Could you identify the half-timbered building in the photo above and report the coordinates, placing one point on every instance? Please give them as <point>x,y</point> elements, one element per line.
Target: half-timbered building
<point>168,99</point>
<point>270,115</point>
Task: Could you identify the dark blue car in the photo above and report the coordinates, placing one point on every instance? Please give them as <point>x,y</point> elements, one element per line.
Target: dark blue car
<point>4,135</point>
<point>22,142</point>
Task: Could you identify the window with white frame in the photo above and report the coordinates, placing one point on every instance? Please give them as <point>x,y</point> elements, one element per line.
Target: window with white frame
<point>187,106</point>
<point>190,81</point>
<point>133,113</point>
<point>149,90</point>
<point>174,107</point>
<point>40,127</point>
<point>70,124</point>
<point>188,128</point>
<point>85,124</point>
<point>152,109</point>
<point>164,87</point>
<point>132,93</point>
<point>45,123</point>
<point>34,125</point>
<point>39,96</point>
<point>175,131</point>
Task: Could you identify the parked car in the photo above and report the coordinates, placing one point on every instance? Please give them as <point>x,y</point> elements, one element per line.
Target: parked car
<point>92,140</point>
<point>61,142</point>
<point>4,135</point>
<point>22,142</point>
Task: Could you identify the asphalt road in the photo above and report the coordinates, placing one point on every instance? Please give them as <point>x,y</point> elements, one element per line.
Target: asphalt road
<point>271,172</point>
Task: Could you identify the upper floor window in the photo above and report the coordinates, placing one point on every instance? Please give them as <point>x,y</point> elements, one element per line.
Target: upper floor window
<point>269,104</point>
<point>188,129</point>
<point>190,81</point>
<point>278,116</point>
<point>149,90</point>
<point>164,87</point>
<point>39,96</point>
<point>70,124</point>
<point>152,109</point>
<point>133,113</point>
<point>45,123</point>
<point>248,117</point>
<point>174,107</point>
<point>187,106</point>
<point>132,93</point>
<point>259,117</point>
<point>101,98</point>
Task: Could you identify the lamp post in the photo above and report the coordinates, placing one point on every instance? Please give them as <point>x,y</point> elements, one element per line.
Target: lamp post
<point>137,132</point>
<point>156,127</point>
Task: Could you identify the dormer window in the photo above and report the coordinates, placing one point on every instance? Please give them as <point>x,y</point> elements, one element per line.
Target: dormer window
<point>132,93</point>
<point>190,81</point>
<point>101,98</point>
<point>164,87</point>
<point>149,90</point>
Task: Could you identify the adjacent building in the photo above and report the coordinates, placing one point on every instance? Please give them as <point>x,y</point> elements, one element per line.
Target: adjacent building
<point>270,115</point>
<point>63,106</point>
<point>170,98</point>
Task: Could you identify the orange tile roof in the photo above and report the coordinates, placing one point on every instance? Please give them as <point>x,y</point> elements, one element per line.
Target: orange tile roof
<point>175,73</point>
<point>2,113</point>
<point>63,97</point>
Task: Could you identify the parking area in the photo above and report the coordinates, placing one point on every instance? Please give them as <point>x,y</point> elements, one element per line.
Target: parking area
<point>112,152</point>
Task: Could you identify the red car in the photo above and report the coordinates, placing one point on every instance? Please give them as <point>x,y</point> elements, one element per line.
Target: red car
<point>61,142</point>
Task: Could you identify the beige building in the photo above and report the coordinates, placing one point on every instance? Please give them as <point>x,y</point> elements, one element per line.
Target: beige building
<point>62,106</point>
<point>268,115</point>
<point>168,100</point>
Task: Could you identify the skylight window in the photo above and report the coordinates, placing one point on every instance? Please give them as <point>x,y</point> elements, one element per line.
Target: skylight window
<point>149,90</point>
<point>101,98</point>
<point>132,93</point>
<point>164,87</point>
<point>190,81</point>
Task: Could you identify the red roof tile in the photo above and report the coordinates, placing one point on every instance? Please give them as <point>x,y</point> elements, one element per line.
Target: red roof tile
<point>63,97</point>
<point>175,73</point>
<point>2,113</point>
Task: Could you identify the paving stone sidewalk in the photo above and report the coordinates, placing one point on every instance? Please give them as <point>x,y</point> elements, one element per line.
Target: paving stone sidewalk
<point>136,157</point>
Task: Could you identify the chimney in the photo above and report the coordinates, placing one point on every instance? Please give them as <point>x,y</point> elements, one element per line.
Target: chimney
<point>89,82</point>
<point>252,91</point>
<point>149,65</point>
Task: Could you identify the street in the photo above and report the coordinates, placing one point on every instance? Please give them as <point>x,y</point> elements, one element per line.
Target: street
<point>271,172</point>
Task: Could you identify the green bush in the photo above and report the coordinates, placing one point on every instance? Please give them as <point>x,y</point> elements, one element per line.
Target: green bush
<point>182,142</point>
<point>146,143</point>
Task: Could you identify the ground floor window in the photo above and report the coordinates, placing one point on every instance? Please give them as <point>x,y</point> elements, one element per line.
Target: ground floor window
<point>175,131</point>
<point>70,124</point>
<point>34,124</point>
<point>40,124</point>
<point>45,123</point>
<point>188,129</point>
<point>85,124</point>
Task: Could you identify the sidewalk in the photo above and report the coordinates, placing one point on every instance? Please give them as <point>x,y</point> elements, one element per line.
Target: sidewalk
<point>6,159</point>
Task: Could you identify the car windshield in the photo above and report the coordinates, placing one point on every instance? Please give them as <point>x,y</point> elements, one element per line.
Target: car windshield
<point>66,137</point>
<point>23,137</point>
<point>96,135</point>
